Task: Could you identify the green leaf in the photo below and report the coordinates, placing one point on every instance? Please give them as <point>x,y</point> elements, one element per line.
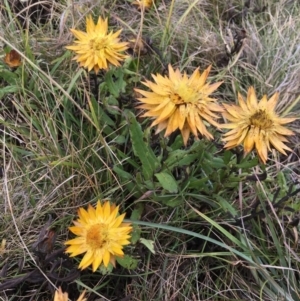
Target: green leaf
<point>135,234</point>
<point>142,150</point>
<point>168,200</point>
<point>227,157</point>
<point>127,262</point>
<point>198,183</point>
<point>225,205</point>
<point>247,164</point>
<point>149,244</point>
<point>136,215</point>
<point>111,105</point>
<point>180,158</point>
<point>123,174</point>
<point>9,76</point>
<point>106,270</point>
<point>9,89</point>
<point>217,163</point>
<point>167,182</point>
<point>282,182</point>
<point>114,79</point>
<point>137,212</point>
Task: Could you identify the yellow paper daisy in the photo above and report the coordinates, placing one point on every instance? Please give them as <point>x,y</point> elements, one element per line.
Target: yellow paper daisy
<point>256,124</point>
<point>101,235</point>
<point>96,49</point>
<point>60,296</point>
<point>181,102</point>
<point>142,4</point>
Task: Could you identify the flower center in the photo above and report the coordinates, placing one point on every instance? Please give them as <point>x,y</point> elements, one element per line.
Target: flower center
<point>97,236</point>
<point>184,94</point>
<point>261,120</point>
<point>98,43</point>
<point>176,99</point>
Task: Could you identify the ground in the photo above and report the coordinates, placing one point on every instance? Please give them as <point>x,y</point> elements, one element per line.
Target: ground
<point>208,223</point>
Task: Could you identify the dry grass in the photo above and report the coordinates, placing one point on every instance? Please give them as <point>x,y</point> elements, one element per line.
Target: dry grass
<point>56,157</point>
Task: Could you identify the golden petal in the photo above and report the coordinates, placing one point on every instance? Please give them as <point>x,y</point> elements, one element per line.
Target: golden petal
<point>76,241</point>
<point>243,135</point>
<point>114,37</point>
<point>263,104</point>
<point>91,212</point>
<point>210,120</point>
<point>273,102</point>
<point>191,119</point>
<point>194,79</point>
<point>229,126</point>
<point>285,120</point>
<point>87,259</point>
<point>159,89</point>
<point>99,209</point>
<point>233,110</point>
<point>98,258</point>
<point>80,35</point>
<point>232,133</point>
<point>172,123</point>
<point>167,111</point>
<point>102,26</point>
<point>161,126</point>
<point>162,81</point>
<point>261,147</point>
<point>172,74</point>
<point>229,117</point>
<point>116,222</point>
<point>242,103</point>
<point>277,143</point>
<point>211,88</point>
<point>96,69</point>
<point>90,25</point>
<point>185,132</point>
<point>106,209</point>
<point>150,97</point>
<point>181,116</point>
<point>231,144</point>
<point>207,111</point>
<point>215,107</point>
<point>60,296</point>
<point>249,141</point>
<point>106,258</point>
<point>283,131</point>
<point>252,100</point>
<point>76,250</point>
<point>83,215</point>
<point>204,76</point>
<point>77,230</point>
<point>201,127</point>
<point>81,297</point>
<point>113,218</point>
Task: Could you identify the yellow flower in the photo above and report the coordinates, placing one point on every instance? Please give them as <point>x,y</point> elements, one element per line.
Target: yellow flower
<point>138,46</point>
<point>181,102</point>
<point>60,296</point>
<point>143,3</point>
<point>95,48</point>
<point>256,124</point>
<point>101,235</point>
<point>13,59</point>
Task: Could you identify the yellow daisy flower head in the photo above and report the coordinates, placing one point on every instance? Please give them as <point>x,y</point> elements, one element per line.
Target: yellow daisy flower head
<point>96,48</point>
<point>256,125</point>
<point>142,4</point>
<point>101,235</point>
<point>60,296</point>
<point>181,102</point>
